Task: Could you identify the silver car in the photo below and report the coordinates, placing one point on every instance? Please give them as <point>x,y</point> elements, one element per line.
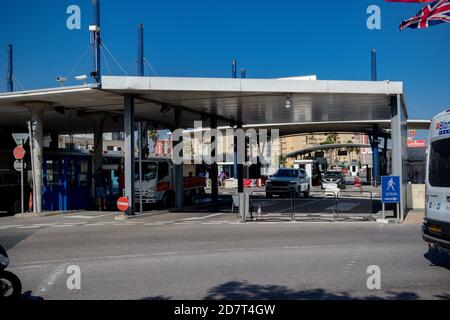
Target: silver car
<point>333,178</point>
<point>287,181</point>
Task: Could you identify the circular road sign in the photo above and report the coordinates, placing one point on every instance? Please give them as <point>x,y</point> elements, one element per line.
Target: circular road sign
<point>18,165</point>
<point>19,153</point>
<point>122,204</point>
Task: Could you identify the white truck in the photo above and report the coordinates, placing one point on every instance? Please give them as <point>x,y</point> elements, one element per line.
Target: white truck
<point>436,227</point>
<point>157,183</point>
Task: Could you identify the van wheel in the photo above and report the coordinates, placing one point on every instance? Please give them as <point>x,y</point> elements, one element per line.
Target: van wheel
<point>167,200</point>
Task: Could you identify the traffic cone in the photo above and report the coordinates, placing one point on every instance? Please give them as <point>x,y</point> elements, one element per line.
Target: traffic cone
<point>258,214</point>
<point>357,183</point>
<point>30,202</point>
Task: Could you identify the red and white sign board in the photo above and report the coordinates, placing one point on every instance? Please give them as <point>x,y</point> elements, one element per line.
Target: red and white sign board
<point>19,153</point>
<point>123,204</point>
<point>417,143</point>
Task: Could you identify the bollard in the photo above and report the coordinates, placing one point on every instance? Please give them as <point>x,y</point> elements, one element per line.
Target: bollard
<point>243,206</point>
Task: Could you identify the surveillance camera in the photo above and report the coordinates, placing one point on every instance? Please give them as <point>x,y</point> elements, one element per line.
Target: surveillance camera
<point>81,78</point>
<point>61,79</point>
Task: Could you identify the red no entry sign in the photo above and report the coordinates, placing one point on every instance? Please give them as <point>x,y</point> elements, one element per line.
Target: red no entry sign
<point>19,153</point>
<point>122,204</point>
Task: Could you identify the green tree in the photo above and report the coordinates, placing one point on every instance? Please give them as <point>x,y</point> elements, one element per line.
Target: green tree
<point>330,139</point>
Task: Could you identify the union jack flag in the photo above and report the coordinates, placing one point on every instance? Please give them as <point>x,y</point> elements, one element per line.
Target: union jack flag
<point>434,13</point>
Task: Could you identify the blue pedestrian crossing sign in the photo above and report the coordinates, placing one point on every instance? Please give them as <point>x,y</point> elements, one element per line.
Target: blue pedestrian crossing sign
<point>390,189</point>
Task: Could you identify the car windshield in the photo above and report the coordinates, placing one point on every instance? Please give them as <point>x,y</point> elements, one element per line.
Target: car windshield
<point>148,171</point>
<point>287,173</point>
<point>333,175</point>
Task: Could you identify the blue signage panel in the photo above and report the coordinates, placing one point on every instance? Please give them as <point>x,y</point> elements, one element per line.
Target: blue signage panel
<point>390,189</point>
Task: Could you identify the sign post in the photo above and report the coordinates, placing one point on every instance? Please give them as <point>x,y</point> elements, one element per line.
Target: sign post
<point>390,191</point>
<point>19,153</point>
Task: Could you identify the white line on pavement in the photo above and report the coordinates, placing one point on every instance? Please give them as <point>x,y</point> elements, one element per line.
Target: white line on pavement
<point>11,226</point>
<point>206,217</point>
<point>26,268</point>
<point>52,278</point>
<point>62,226</point>
<point>30,227</point>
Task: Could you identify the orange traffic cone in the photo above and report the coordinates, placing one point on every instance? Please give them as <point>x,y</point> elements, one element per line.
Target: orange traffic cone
<point>30,202</point>
<point>357,183</point>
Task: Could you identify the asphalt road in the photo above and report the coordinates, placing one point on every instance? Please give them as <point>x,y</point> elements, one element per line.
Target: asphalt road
<point>213,256</point>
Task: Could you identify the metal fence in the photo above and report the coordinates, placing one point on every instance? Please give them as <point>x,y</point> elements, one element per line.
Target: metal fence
<point>355,205</point>
<point>319,206</point>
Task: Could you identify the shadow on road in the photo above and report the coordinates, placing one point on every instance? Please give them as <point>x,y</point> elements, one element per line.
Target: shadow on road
<point>235,290</point>
<point>438,259</point>
<point>10,240</point>
<point>30,297</point>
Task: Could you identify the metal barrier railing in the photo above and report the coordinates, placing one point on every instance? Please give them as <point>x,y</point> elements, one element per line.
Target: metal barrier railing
<point>292,206</point>
<point>347,204</point>
<point>273,208</point>
<point>320,205</point>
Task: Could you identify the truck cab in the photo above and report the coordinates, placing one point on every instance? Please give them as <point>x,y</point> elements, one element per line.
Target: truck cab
<point>436,227</point>
<point>157,185</point>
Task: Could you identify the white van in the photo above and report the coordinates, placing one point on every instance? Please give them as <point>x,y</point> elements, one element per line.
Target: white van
<point>436,227</point>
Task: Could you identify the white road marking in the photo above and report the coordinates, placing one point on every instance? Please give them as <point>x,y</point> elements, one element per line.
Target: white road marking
<point>62,226</point>
<point>90,217</point>
<point>80,217</point>
<point>52,278</point>
<point>11,226</point>
<point>206,217</point>
<point>30,227</point>
<point>27,267</point>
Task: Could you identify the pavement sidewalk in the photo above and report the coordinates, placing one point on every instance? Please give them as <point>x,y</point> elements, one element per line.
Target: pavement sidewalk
<point>415,216</point>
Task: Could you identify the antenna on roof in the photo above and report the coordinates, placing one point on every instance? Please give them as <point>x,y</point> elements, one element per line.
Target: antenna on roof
<point>9,71</point>
<point>234,69</point>
<point>95,40</point>
<point>374,65</point>
<point>140,50</point>
<point>243,73</point>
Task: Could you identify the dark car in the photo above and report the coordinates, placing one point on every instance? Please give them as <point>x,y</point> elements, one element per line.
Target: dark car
<point>10,192</point>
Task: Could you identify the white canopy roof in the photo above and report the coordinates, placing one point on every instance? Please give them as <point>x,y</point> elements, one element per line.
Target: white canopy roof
<point>316,105</point>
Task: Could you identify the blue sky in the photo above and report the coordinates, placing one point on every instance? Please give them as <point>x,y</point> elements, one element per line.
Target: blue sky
<point>269,38</point>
